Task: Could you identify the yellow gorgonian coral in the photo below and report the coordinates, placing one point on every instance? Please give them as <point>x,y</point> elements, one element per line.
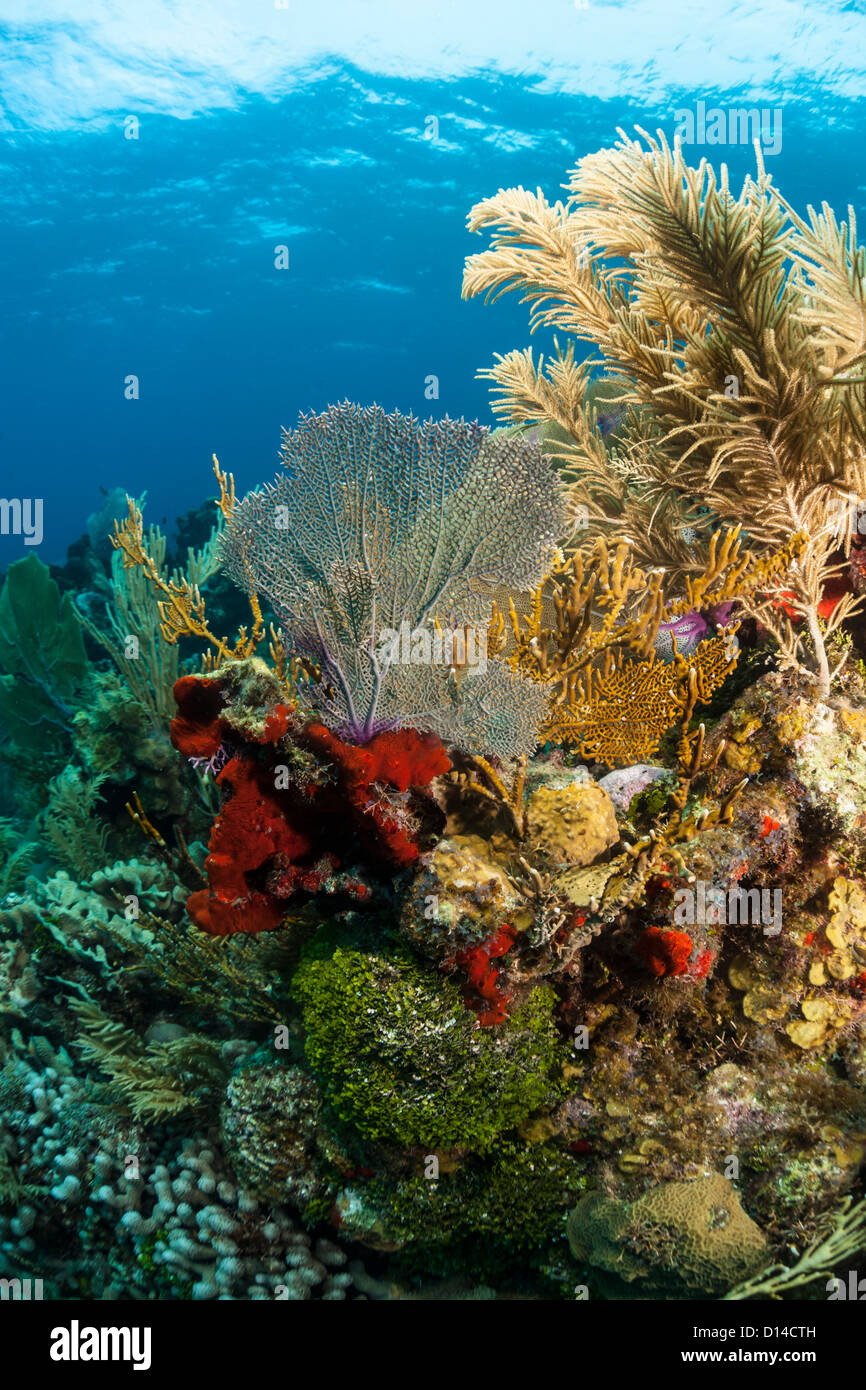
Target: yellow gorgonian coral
<point>620,714</point>
<point>589,630</point>
<point>681,290</point>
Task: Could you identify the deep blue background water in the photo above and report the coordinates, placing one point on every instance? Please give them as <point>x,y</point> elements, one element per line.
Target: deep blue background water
<point>155,256</point>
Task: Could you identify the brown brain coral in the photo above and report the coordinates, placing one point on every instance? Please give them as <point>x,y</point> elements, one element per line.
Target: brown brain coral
<point>679,1240</point>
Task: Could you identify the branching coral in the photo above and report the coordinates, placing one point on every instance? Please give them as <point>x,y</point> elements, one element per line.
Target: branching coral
<point>180,605</point>
<point>475,777</point>
<point>136,638</point>
<point>735,330</point>
<point>589,631</point>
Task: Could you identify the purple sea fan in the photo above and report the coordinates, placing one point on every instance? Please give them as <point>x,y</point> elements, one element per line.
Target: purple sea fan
<point>723,613</point>
<point>379,520</point>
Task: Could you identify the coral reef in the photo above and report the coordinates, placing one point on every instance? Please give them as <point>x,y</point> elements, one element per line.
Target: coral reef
<point>141,1214</point>
<point>485,916</point>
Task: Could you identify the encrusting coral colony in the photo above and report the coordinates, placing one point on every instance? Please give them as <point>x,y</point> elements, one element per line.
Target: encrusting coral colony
<point>487,917</point>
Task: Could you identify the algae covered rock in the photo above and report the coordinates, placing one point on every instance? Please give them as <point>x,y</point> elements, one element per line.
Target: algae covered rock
<point>553,772</point>
<point>679,1240</point>
<point>269,1121</point>
<point>625,783</point>
<point>779,730</point>
<point>593,883</point>
<point>812,993</point>
<point>514,1196</point>
<point>401,1058</point>
<point>465,892</point>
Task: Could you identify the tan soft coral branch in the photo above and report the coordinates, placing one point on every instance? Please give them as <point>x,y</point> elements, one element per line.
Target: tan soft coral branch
<point>735,332</point>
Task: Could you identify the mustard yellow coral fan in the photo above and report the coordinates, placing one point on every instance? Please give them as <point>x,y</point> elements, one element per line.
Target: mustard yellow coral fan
<point>619,715</point>
<point>589,628</point>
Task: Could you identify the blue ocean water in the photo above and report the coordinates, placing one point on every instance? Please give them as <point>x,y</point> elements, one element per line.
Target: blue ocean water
<point>154,160</point>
